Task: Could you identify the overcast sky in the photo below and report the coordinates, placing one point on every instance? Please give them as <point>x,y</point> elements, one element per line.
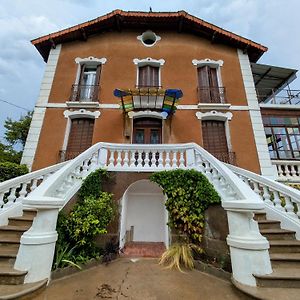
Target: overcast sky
<point>273,23</point>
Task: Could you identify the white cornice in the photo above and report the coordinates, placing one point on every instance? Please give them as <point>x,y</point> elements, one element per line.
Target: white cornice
<point>81,113</point>
<point>149,61</point>
<point>207,62</point>
<point>147,113</point>
<point>91,60</point>
<point>214,115</point>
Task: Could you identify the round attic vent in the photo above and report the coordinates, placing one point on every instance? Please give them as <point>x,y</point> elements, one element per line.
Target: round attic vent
<point>148,38</point>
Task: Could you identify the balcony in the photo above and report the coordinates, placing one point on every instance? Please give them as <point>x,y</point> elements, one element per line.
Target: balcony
<point>280,97</point>
<point>149,98</point>
<point>84,93</point>
<point>211,94</point>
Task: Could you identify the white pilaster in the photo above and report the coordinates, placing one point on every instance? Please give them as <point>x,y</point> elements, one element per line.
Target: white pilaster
<point>267,169</point>
<point>40,108</point>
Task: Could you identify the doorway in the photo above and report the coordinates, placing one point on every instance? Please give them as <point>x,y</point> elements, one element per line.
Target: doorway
<point>147,131</point>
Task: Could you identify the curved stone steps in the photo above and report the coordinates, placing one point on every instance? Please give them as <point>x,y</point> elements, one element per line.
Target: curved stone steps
<point>21,291</point>
<point>8,275</point>
<point>285,260</point>
<point>278,234</point>
<point>281,277</point>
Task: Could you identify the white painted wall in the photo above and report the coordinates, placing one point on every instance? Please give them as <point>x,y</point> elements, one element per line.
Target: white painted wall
<point>146,213</point>
<point>266,167</point>
<point>142,206</point>
<point>40,109</point>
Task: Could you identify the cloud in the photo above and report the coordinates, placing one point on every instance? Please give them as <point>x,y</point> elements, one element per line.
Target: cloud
<point>272,23</point>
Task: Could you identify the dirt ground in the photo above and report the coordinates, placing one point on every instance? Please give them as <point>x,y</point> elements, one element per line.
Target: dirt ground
<point>140,279</point>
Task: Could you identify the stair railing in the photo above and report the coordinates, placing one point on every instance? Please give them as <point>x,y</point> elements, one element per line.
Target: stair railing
<point>282,202</point>
<point>248,247</point>
<point>13,191</point>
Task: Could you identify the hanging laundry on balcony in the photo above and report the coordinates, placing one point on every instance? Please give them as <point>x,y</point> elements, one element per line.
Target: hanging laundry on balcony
<point>164,100</point>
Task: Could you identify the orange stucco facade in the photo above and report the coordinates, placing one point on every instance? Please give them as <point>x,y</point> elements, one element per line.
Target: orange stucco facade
<point>120,48</point>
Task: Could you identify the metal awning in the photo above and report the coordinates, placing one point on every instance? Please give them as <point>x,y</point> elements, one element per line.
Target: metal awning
<point>157,99</point>
<point>270,80</point>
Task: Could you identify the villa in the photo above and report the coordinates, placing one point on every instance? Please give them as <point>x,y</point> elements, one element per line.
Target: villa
<point>141,92</point>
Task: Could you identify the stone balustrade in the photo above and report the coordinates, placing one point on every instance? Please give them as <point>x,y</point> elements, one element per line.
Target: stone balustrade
<point>281,201</point>
<point>13,191</point>
<point>288,170</point>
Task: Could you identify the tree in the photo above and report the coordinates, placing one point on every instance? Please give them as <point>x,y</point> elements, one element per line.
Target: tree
<point>15,134</point>
<point>17,131</point>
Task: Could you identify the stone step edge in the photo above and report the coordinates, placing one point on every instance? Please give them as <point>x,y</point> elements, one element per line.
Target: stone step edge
<point>34,288</point>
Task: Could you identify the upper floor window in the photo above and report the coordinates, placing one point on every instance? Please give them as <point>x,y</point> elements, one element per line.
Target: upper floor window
<point>86,87</point>
<point>283,136</point>
<point>148,72</point>
<point>148,76</point>
<point>210,88</point>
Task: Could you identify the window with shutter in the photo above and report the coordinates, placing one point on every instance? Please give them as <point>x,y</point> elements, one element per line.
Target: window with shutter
<point>80,137</point>
<point>214,139</point>
<point>208,86</point>
<point>148,76</point>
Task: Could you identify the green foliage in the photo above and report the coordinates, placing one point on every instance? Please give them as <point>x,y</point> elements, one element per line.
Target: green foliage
<point>90,218</point>
<point>189,194</point>
<point>17,131</point>
<point>8,154</point>
<point>92,185</point>
<point>10,170</point>
<point>179,255</point>
<point>76,232</point>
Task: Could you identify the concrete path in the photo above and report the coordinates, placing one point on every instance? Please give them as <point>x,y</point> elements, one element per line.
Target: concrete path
<point>140,280</point>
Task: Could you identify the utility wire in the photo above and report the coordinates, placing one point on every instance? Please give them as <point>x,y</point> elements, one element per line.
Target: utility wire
<point>15,105</point>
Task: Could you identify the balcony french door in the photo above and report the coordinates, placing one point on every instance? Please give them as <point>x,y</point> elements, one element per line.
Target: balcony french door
<point>147,131</point>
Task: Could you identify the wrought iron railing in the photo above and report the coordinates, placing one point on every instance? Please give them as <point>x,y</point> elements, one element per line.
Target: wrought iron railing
<point>227,157</point>
<point>211,94</point>
<point>65,155</point>
<point>84,93</point>
<point>282,96</point>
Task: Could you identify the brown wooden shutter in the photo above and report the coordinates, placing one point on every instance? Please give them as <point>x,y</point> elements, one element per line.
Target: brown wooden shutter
<point>97,83</point>
<point>214,138</point>
<point>203,83</point>
<point>80,137</point>
<point>214,86</point>
<point>148,76</point>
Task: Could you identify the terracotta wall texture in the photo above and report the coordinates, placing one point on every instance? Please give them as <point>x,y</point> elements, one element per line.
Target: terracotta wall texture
<point>120,48</point>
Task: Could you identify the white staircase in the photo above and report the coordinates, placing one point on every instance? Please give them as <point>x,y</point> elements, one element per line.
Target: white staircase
<point>242,194</point>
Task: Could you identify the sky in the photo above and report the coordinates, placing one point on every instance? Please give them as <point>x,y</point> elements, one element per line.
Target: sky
<point>273,23</point>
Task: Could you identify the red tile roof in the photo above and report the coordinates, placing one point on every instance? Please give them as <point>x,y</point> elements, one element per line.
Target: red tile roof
<point>118,19</point>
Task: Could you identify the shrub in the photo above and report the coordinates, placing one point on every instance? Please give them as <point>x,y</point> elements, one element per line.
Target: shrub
<point>10,170</point>
<point>179,255</point>
<point>89,218</point>
<point>189,194</point>
<point>92,184</point>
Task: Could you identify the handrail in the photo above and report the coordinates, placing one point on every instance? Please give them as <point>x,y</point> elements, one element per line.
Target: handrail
<point>19,187</point>
<point>273,185</point>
